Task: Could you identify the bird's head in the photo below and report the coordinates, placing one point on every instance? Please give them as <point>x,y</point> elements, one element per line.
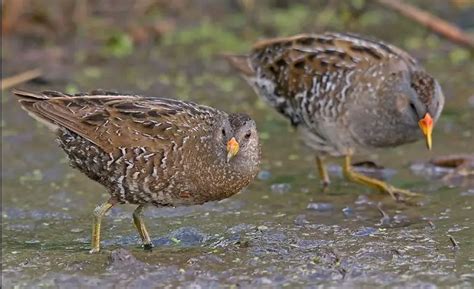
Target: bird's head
<point>238,141</point>
<point>421,102</point>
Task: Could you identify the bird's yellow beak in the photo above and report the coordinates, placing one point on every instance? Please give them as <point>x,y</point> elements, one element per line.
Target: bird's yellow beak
<point>426,125</point>
<point>232,148</point>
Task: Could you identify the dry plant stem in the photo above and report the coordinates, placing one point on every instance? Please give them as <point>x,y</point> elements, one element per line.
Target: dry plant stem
<point>453,242</point>
<point>431,21</point>
<point>20,78</point>
<point>11,14</point>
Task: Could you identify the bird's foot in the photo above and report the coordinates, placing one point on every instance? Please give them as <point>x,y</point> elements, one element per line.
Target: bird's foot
<point>325,185</point>
<point>398,194</point>
<point>94,250</point>
<point>148,246</point>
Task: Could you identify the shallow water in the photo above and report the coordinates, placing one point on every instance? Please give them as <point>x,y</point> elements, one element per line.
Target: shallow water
<point>283,230</point>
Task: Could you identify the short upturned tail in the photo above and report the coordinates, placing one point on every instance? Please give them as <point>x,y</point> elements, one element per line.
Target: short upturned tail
<point>28,100</point>
<point>241,63</point>
<point>29,96</point>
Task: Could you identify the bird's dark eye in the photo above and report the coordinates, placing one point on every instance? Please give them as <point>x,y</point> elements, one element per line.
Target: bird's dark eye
<point>223,132</point>
<point>247,135</point>
<point>412,106</point>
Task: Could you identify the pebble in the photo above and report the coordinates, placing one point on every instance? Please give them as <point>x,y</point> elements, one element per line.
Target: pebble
<point>76,230</point>
<point>348,212</point>
<point>264,175</point>
<point>188,235</point>
<point>262,228</point>
<point>362,200</point>
<point>301,220</point>
<point>320,207</point>
<point>471,100</point>
<point>468,193</point>
<point>185,236</point>
<point>280,188</point>
<point>365,231</point>
<point>32,242</point>
<point>123,259</point>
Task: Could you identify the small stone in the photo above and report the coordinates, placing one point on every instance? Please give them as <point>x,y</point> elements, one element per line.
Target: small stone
<point>362,200</point>
<point>76,230</point>
<point>401,219</point>
<point>32,242</point>
<point>365,231</point>
<point>264,175</point>
<point>301,220</point>
<point>187,236</point>
<point>468,193</point>
<point>123,259</point>
<point>320,207</point>
<point>348,212</point>
<point>262,228</point>
<point>280,188</point>
<point>265,281</point>
<point>305,190</point>
<point>471,100</point>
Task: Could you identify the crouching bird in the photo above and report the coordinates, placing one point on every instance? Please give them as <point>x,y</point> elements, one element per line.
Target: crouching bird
<point>148,150</point>
<point>345,94</point>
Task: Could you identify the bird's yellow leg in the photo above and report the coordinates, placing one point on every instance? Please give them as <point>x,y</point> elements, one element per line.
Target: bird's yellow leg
<point>322,171</point>
<point>140,224</point>
<point>378,184</point>
<point>99,212</point>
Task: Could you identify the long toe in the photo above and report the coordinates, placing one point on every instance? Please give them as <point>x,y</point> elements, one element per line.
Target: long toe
<point>401,194</point>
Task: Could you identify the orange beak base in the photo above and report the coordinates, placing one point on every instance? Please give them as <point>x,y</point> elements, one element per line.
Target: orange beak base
<point>232,148</point>
<point>426,126</point>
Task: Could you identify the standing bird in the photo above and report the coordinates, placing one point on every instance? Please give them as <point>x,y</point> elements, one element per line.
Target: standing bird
<point>345,94</point>
<point>147,150</point>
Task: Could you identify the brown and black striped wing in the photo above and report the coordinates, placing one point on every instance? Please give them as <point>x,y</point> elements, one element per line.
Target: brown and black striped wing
<point>113,120</point>
<point>308,74</point>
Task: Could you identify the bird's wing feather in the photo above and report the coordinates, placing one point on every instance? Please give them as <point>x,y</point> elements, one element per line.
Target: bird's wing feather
<point>112,120</point>
<point>314,72</point>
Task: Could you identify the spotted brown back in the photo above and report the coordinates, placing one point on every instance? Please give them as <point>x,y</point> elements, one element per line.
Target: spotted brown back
<point>312,74</point>
<point>112,120</point>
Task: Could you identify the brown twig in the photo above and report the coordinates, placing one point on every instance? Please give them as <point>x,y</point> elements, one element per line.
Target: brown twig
<point>453,242</point>
<point>431,21</point>
<point>20,78</point>
<point>432,225</point>
<point>385,220</point>
<point>12,10</point>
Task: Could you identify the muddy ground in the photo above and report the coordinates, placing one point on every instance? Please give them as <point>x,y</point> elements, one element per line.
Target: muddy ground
<point>283,230</point>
